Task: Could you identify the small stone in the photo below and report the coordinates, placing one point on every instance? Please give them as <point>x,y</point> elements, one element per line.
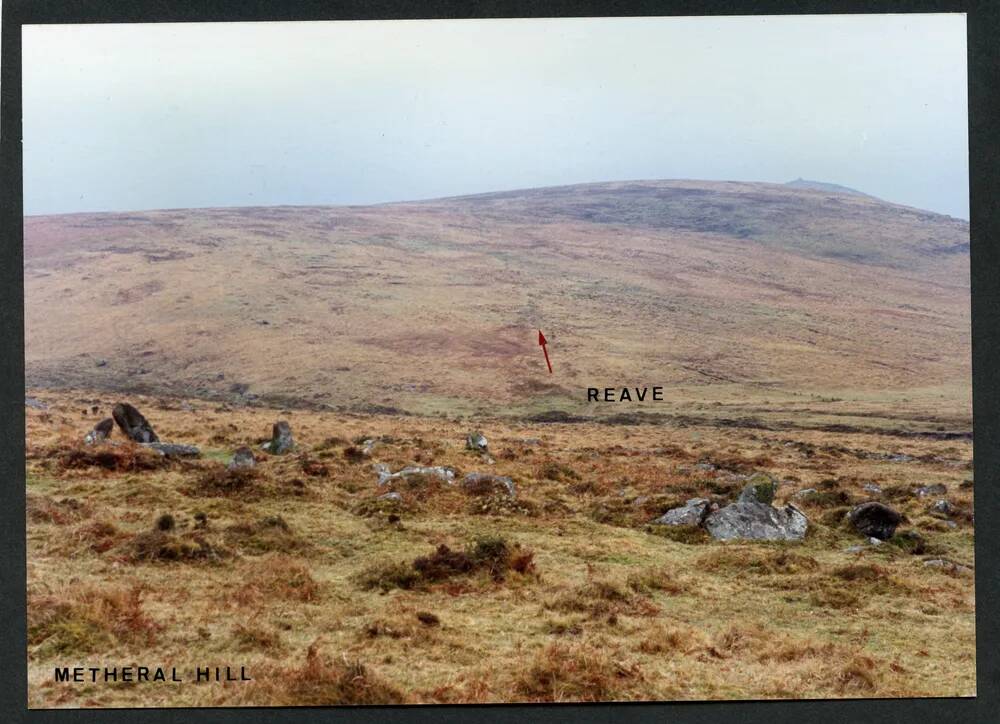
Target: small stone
<point>242,458</point>
<point>281,439</point>
<point>693,512</point>
<point>943,507</point>
<point>872,488</point>
<point>101,432</point>
<point>476,441</point>
<point>874,520</point>
<point>936,489</point>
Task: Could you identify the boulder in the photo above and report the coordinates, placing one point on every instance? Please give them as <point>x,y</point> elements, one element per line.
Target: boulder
<point>133,424</point>
<point>693,512</point>
<point>487,484</point>
<point>242,458</point>
<point>173,450</point>
<point>101,431</point>
<point>476,442</point>
<point>751,519</point>
<point>281,439</point>
<point>874,520</point>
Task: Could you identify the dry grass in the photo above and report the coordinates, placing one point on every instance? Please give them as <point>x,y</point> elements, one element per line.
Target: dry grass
<point>555,606</point>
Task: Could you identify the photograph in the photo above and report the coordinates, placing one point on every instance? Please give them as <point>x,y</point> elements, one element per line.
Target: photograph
<point>497,361</point>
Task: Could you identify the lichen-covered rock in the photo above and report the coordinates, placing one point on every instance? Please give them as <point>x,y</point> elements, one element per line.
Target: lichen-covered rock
<point>487,484</point>
<point>693,512</point>
<point>760,488</point>
<point>242,458</point>
<point>936,489</point>
<point>281,439</point>
<point>874,520</point>
<point>101,432</point>
<point>754,520</point>
<point>133,424</point>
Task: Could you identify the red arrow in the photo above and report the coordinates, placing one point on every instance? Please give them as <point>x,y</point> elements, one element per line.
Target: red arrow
<point>542,341</point>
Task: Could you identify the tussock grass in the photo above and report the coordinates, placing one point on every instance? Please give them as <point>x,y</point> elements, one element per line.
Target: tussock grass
<point>89,619</point>
<point>324,681</point>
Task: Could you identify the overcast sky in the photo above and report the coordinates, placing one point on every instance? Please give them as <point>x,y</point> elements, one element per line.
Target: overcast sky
<point>129,117</point>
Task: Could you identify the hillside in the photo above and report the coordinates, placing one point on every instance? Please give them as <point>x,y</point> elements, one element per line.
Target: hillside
<point>738,298</point>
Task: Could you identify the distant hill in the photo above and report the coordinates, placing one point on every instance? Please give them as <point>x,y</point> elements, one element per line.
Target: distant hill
<point>801,183</point>
<point>718,291</point>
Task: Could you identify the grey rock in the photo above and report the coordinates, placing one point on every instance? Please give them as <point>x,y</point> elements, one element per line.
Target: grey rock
<point>693,512</point>
<point>101,363</point>
<point>281,439</point>
<point>752,520</point>
<point>100,432</point>
<point>476,441</point>
<point>805,493</point>
<point>383,472</point>
<point>854,549</point>
<point>875,541</point>
<point>936,489</point>
<point>872,488</point>
<point>487,483</point>
<point>392,495</point>
<point>948,566</point>
<point>133,424</point>
<point>942,506</point>
<point>443,474</point>
<point>242,458</point>
<point>35,404</point>
<point>707,467</point>
<point>173,450</point>
<point>900,458</point>
<point>531,441</point>
<point>874,520</point>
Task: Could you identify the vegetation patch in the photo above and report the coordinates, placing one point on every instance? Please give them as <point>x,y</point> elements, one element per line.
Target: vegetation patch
<point>119,458</point>
<point>279,576</point>
<point>266,535</point>
<point>562,672</point>
<point>324,681</point>
<point>88,619</point>
<point>492,555</point>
